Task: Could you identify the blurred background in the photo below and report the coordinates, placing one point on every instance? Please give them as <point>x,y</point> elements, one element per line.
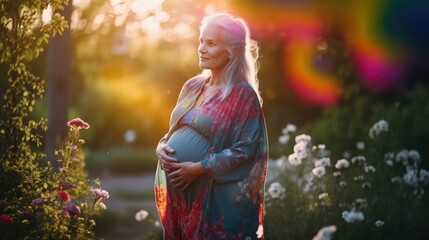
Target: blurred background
<point>332,68</point>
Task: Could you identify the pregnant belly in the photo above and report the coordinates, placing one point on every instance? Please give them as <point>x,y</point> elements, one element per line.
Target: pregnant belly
<point>189,144</point>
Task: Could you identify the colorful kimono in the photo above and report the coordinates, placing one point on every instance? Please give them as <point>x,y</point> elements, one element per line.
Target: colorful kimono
<point>229,138</point>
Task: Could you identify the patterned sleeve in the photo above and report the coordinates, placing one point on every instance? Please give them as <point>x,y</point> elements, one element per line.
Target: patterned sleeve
<point>235,162</point>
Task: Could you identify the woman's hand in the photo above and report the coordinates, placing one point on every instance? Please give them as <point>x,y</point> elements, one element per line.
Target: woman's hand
<point>185,173</point>
<point>162,151</point>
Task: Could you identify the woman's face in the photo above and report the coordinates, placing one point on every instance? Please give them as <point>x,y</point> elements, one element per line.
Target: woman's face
<point>212,50</point>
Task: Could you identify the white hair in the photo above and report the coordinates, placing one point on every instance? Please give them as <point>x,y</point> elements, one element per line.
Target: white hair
<point>243,64</point>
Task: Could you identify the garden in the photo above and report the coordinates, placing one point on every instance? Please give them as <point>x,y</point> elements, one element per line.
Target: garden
<point>87,87</point>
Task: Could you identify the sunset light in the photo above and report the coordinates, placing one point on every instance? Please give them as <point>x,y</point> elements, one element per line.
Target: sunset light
<point>214,119</point>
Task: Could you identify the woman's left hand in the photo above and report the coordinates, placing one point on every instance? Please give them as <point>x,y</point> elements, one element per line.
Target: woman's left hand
<point>185,173</point>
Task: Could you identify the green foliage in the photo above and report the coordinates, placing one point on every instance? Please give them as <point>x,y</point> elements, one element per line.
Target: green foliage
<point>36,200</point>
<point>342,126</point>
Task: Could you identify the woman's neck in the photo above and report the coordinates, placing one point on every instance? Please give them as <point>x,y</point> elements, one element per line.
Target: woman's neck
<point>214,79</point>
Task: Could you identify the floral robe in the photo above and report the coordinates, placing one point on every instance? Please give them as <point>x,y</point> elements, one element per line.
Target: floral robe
<point>230,205</point>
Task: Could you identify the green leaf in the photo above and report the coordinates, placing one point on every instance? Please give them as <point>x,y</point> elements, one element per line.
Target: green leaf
<point>97,181</point>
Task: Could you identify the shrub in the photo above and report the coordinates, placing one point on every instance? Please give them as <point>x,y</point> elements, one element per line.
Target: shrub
<point>36,200</point>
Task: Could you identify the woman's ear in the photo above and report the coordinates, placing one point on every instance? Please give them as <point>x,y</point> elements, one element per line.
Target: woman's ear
<point>233,52</point>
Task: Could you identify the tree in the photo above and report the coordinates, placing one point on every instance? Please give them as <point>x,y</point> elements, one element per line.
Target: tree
<point>59,77</point>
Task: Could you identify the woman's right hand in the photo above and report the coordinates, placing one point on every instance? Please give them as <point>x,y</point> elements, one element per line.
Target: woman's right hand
<point>162,151</point>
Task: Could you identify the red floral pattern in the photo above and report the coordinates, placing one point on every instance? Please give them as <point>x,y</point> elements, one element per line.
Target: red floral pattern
<point>237,160</point>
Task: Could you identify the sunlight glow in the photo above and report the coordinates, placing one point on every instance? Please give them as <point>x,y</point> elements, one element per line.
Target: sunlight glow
<point>143,7</point>
<point>98,20</point>
<point>47,15</point>
<point>81,3</point>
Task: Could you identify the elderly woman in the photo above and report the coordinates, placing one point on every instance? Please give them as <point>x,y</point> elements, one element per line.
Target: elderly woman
<point>212,162</point>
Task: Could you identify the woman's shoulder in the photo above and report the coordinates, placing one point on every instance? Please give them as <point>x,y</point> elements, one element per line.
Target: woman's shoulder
<point>194,82</point>
<point>245,91</point>
<point>245,87</point>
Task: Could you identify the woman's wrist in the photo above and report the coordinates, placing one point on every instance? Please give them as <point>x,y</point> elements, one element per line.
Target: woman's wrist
<point>200,168</point>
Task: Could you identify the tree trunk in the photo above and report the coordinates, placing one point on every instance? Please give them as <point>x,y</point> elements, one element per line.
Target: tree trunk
<point>58,80</point>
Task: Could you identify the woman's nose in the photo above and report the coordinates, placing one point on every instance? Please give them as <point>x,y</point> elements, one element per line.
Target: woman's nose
<point>201,49</point>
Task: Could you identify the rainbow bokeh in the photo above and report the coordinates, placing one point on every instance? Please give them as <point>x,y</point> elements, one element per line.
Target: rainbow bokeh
<point>380,66</point>
<point>380,62</point>
<point>311,83</point>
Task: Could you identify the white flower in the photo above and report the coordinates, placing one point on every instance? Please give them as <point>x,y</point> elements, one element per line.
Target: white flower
<point>358,160</point>
<point>302,138</point>
<point>402,156</point>
<point>415,156</point>
<point>289,128</point>
<point>276,190</point>
<point>360,145</point>
<point>102,205</point>
<point>157,224</point>
<point>322,162</point>
<point>321,146</point>
<point>336,174</point>
<point>281,162</point>
<point>379,223</point>
<point>283,139</point>
<point>325,233</point>
<point>361,203</point>
<point>353,216</point>
<point>343,184</point>
<point>300,149</point>
<point>383,125</point>
<point>319,171</point>
<point>366,185</point>
<point>359,178</point>
<point>424,176</point>
<point>410,177</point>
<point>323,196</point>
<point>294,159</point>
<point>260,231</point>
<point>369,168</point>
<point>405,155</point>
<point>389,162</point>
<point>141,215</point>
<point>342,164</point>
<point>377,128</point>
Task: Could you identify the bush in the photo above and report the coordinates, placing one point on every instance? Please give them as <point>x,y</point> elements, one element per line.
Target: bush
<point>36,200</point>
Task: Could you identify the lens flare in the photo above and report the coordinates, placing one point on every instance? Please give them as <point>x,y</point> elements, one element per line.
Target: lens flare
<point>311,83</point>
